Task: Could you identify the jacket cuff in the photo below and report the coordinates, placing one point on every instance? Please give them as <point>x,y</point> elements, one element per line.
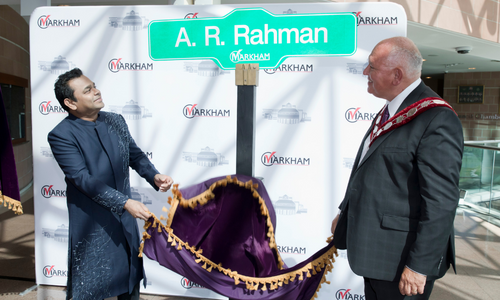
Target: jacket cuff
<point>113,200</point>
<point>415,271</point>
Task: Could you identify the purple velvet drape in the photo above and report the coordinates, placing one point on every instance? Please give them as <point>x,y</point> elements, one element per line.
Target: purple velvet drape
<point>8,175</point>
<point>232,231</point>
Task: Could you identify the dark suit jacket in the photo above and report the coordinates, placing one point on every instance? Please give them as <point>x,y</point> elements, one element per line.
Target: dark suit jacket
<point>103,237</point>
<point>401,199</point>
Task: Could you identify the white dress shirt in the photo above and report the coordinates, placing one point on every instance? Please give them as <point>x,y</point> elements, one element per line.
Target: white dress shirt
<point>393,106</point>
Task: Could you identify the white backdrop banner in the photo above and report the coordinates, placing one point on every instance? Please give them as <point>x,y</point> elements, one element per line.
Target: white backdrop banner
<point>312,113</point>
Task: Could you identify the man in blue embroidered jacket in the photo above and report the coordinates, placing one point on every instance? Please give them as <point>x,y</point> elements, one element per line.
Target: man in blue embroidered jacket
<point>95,150</point>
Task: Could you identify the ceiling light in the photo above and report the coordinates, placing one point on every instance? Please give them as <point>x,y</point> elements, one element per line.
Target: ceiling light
<point>472,68</point>
<point>423,59</point>
<point>463,49</point>
<point>428,77</point>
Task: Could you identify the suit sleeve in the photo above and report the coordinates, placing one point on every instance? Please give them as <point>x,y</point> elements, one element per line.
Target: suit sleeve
<point>72,163</point>
<point>439,158</point>
<point>141,164</point>
<point>138,160</point>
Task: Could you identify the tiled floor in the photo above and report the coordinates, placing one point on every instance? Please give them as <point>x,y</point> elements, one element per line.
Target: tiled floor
<point>477,251</point>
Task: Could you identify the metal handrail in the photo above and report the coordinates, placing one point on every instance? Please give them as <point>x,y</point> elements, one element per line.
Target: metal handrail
<point>482,147</point>
<point>477,144</point>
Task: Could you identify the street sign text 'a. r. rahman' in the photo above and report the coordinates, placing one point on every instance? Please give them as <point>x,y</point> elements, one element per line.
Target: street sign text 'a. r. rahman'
<point>253,35</point>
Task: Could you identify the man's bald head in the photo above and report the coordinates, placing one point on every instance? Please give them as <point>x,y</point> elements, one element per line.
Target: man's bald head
<point>393,65</point>
<point>405,54</point>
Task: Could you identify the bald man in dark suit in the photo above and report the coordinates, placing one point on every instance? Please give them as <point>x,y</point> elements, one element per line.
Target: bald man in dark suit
<point>396,219</point>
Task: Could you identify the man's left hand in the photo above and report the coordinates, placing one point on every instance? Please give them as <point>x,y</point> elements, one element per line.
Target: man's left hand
<point>411,283</point>
<point>163,182</point>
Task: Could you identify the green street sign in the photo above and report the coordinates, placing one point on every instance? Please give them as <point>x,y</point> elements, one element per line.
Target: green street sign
<point>253,35</point>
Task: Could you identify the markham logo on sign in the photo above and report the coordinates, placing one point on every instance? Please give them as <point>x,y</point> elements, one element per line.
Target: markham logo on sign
<point>346,294</point>
<point>355,114</point>
<point>238,57</point>
<point>46,108</point>
<point>46,21</point>
<point>253,35</point>
<point>50,271</point>
<point>188,284</point>
<point>270,159</point>
<point>194,111</point>
<point>118,64</point>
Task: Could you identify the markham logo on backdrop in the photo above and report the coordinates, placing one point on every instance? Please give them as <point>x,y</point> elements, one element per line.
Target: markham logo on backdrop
<point>271,158</point>
<point>346,294</point>
<point>376,20</point>
<point>131,110</point>
<point>48,191</point>
<point>205,158</point>
<point>188,284</point>
<point>46,108</point>
<point>131,22</point>
<point>50,271</point>
<point>292,250</point>
<point>46,21</point>
<point>286,206</point>
<point>296,68</point>
<point>348,162</point>
<point>355,114</point>
<point>194,111</point>
<point>46,151</point>
<point>119,64</point>
<point>288,114</point>
<point>356,68</point>
<point>58,66</point>
<point>141,197</point>
<point>238,56</point>
<point>61,234</point>
<point>191,16</point>
<point>206,68</point>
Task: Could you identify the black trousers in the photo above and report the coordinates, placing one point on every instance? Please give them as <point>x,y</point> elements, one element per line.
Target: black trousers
<point>389,290</point>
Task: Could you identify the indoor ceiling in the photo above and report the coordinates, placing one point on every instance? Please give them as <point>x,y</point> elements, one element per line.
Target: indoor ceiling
<point>438,46</point>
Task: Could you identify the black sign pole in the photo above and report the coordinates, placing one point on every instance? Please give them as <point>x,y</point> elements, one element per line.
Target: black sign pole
<point>247,81</point>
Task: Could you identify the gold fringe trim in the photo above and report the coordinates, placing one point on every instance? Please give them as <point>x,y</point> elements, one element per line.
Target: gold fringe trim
<point>208,195</point>
<point>325,261</point>
<point>12,204</point>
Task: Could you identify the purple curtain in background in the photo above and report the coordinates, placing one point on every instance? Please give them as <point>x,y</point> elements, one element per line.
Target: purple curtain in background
<point>9,186</point>
<point>232,221</point>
